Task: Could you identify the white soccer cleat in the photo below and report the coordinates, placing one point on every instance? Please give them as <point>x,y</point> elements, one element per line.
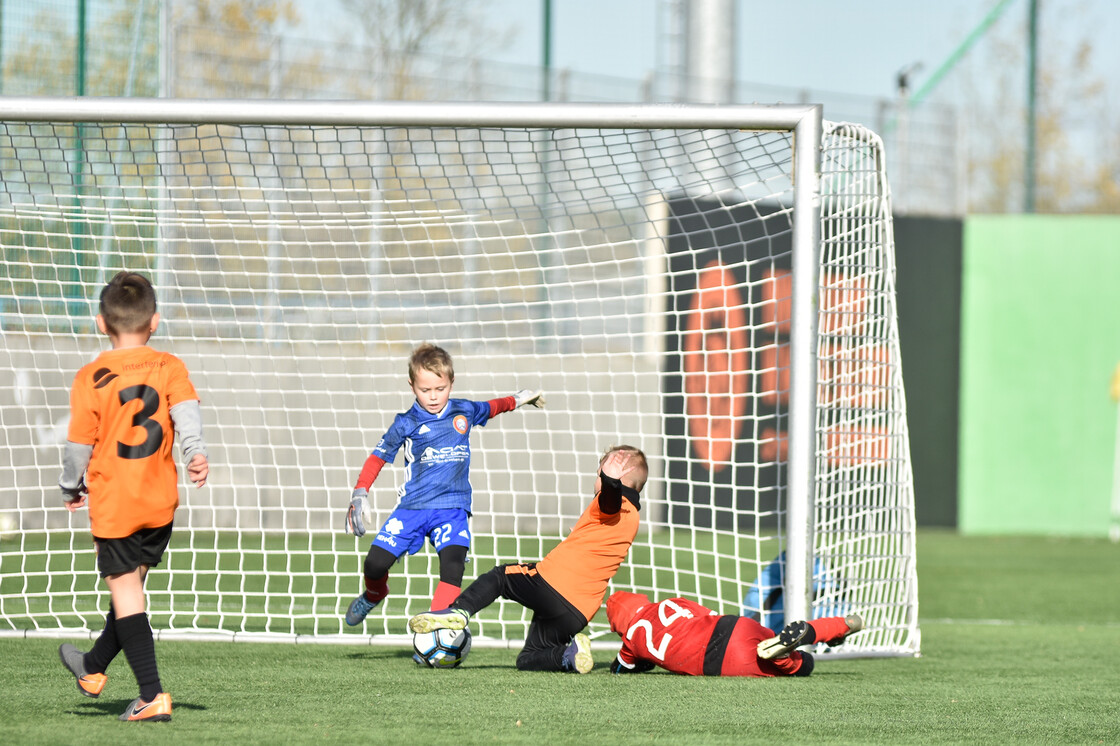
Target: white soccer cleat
<point>577,657</point>
<point>429,621</point>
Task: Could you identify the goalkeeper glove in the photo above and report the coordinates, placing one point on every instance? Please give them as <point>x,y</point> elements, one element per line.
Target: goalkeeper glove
<point>617,666</point>
<point>529,396</point>
<point>355,516</point>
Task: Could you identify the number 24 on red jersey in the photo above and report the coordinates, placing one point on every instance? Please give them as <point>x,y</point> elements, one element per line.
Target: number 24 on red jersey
<point>674,631</point>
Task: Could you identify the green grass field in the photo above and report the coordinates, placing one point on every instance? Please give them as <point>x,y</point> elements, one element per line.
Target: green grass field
<point>1021,644</point>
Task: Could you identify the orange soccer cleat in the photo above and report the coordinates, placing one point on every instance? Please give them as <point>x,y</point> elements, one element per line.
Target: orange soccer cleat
<point>89,684</point>
<point>156,711</point>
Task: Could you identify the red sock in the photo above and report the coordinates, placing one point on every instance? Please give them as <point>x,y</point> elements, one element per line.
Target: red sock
<point>829,628</point>
<point>377,589</point>
<point>444,595</point>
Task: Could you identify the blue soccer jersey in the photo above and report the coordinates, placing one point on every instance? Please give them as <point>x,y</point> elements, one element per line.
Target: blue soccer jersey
<point>437,453</point>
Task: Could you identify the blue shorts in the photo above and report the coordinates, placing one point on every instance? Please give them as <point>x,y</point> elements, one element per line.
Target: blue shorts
<point>406,530</point>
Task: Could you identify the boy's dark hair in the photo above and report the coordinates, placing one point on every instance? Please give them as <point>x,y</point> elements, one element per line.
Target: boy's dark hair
<point>128,303</point>
<point>430,358</point>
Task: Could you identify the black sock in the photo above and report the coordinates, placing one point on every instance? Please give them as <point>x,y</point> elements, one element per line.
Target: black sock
<point>105,648</point>
<point>807,665</point>
<point>135,635</point>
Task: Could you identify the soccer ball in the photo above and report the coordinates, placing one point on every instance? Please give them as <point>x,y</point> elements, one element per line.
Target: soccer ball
<point>442,648</point>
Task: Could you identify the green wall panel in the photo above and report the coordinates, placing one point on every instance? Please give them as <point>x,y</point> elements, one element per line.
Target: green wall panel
<point>1040,337</point>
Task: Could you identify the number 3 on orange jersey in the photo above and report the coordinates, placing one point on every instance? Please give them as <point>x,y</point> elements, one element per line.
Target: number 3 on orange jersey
<point>149,397</point>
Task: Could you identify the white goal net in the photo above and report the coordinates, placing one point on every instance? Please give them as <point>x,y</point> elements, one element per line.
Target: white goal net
<point>672,277</point>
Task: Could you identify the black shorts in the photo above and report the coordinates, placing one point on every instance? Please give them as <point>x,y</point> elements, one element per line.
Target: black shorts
<point>145,547</point>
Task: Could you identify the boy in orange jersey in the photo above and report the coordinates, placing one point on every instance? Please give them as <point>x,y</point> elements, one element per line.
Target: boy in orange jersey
<point>125,409</point>
<point>684,637</point>
<point>565,589</point>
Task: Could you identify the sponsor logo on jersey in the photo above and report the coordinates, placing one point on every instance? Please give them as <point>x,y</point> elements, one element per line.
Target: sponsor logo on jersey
<point>146,364</point>
<point>102,377</point>
<point>465,534</point>
<point>386,540</point>
<point>460,424</point>
<point>423,429</point>
<point>394,526</point>
<point>445,454</point>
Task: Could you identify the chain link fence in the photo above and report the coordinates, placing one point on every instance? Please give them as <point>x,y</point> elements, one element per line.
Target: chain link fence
<point>41,53</point>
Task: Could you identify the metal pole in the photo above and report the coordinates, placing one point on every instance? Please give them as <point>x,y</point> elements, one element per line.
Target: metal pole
<point>403,113</point>
<point>80,67</point>
<point>165,49</point>
<point>1,46</point>
<point>546,51</point>
<point>805,304</point>
<point>76,292</point>
<point>1032,86</point>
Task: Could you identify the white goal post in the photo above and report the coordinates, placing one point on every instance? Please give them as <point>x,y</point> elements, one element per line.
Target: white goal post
<point>713,284</point>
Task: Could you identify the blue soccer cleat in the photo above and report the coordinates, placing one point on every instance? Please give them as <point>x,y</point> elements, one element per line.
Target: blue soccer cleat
<point>360,607</point>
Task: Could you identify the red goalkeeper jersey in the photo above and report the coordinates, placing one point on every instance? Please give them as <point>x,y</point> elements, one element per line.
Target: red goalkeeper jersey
<point>684,637</point>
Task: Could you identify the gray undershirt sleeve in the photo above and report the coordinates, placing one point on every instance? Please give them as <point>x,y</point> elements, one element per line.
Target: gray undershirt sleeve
<point>75,459</point>
<point>186,417</point>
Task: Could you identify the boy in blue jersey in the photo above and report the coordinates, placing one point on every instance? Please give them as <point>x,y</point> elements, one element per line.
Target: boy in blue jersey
<point>435,497</point>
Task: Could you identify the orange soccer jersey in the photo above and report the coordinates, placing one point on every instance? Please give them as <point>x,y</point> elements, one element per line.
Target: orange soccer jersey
<point>120,404</point>
<point>580,566</point>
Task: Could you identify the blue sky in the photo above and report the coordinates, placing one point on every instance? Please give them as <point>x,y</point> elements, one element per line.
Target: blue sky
<point>846,46</point>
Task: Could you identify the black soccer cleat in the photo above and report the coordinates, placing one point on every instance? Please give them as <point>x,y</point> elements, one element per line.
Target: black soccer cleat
<point>792,636</point>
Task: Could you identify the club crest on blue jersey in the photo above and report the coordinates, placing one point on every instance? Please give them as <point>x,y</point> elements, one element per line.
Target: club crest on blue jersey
<point>436,457</point>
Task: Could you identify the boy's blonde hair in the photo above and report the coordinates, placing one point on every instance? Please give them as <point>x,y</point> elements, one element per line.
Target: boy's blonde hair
<point>641,471</point>
<point>128,303</point>
<point>432,359</point>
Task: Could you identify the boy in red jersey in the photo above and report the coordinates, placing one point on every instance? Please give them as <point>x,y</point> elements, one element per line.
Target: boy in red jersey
<point>126,408</point>
<point>684,637</point>
<point>566,588</point>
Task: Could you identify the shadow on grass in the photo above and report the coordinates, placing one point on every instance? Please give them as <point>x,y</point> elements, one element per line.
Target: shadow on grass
<point>115,707</point>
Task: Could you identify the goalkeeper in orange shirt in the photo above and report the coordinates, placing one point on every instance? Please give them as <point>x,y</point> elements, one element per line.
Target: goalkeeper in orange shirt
<point>126,407</point>
<point>684,637</point>
<point>566,588</point>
